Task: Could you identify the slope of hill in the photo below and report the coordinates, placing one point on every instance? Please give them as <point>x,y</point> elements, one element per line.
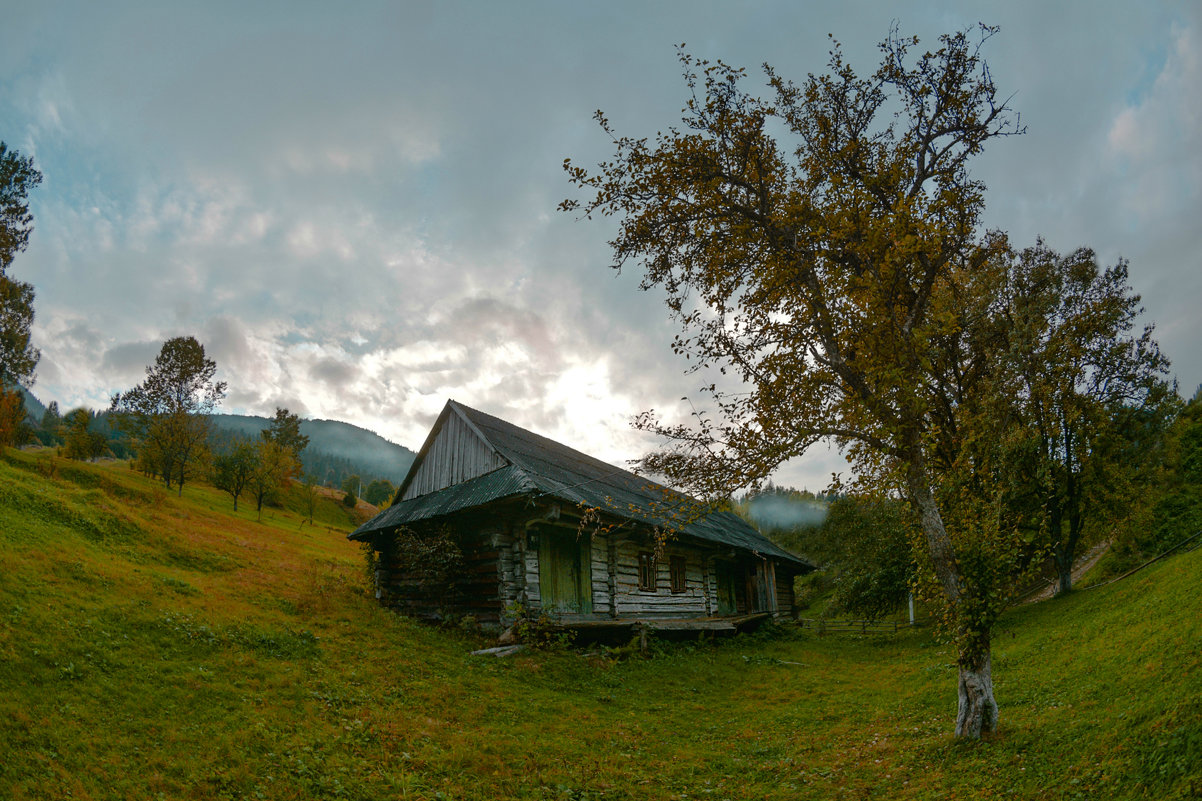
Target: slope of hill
<point>335,448</point>
<point>33,406</point>
<point>155,647</point>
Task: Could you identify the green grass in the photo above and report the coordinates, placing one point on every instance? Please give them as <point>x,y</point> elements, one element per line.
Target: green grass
<point>162,647</point>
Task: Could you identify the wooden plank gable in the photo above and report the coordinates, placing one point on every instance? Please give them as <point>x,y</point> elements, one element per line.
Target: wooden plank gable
<point>456,453</point>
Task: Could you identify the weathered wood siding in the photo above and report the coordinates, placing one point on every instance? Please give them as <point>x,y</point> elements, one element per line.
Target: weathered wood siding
<point>785,598</point>
<point>475,591</point>
<point>632,601</point>
<point>456,455</point>
<point>501,573</point>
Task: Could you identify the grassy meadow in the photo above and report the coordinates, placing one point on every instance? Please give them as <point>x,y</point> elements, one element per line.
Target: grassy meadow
<point>155,647</point>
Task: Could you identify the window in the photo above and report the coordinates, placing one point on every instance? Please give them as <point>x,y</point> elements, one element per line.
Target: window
<point>676,569</point>
<point>647,571</point>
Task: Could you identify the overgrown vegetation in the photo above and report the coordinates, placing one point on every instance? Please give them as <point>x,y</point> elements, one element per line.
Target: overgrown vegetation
<point>1171,507</point>
<point>154,646</point>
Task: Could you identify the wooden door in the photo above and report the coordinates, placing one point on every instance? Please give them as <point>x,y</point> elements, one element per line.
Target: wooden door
<point>724,578</point>
<point>565,582</point>
<point>757,587</point>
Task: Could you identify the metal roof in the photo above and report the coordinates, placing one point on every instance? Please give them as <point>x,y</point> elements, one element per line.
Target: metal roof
<point>540,467</point>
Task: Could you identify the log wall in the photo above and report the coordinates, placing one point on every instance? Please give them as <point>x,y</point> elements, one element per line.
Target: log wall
<point>501,572</point>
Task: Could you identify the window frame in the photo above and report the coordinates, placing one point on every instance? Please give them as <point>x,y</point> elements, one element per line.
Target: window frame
<point>648,572</point>
<point>678,574</point>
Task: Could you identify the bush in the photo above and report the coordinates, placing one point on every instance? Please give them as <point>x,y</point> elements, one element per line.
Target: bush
<point>539,631</point>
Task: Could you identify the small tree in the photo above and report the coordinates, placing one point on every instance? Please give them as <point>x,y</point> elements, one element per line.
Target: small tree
<point>234,469</point>
<point>352,485</point>
<point>273,465</point>
<point>168,412</point>
<point>865,542</point>
<point>379,492</point>
<point>285,432</point>
<point>81,442</point>
<point>51,419</point>
<point>309,487</point>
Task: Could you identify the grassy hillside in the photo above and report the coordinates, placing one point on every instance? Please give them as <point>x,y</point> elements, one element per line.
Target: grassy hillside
<point>155,647</point>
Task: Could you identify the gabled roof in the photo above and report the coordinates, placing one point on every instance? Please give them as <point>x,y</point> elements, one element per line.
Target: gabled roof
<point>537,467</point>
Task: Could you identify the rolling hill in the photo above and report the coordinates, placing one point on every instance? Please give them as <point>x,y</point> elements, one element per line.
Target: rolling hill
<point>162,647</point>
<point>336,449</point>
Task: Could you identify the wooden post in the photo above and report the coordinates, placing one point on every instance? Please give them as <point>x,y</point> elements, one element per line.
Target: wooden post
<point>611,559</point>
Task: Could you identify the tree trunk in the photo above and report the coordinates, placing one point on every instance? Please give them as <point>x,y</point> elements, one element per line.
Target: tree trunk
<point>977,712</point>
<point>1064,569</point>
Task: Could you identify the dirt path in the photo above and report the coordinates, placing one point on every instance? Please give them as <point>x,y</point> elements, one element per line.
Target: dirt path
<point>1088,560</point>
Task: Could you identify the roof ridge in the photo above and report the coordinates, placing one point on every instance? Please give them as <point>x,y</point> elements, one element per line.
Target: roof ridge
<point>547,441</point>
<point>461,410</point>
<point>538,466</point>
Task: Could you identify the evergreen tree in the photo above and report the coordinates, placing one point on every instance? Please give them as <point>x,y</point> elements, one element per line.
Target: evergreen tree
<point>285,432</point>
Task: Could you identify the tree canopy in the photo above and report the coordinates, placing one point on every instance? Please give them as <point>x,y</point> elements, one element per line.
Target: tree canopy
<point>18,356</point>
<point>285,432</point>
<point>168,412</point>
<point>840,276</point>
<point>1088,398</point>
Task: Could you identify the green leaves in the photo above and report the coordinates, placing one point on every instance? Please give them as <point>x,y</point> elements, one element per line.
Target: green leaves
<point>168,411</point>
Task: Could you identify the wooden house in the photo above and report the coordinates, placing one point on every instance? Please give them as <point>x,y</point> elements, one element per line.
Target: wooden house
<point>513,502</point>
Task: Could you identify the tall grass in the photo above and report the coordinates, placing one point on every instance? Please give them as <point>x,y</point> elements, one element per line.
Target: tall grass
<point>154,647</point>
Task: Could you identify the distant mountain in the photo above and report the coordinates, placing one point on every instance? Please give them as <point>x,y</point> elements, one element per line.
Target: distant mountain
<point>336,450</point>
<point>33,406</point>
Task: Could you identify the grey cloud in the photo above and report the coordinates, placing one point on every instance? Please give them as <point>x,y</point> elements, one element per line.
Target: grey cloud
<point>225,343</point>
<point>130,359</point>
<point>241,398</point>
<point>278,182</point>
<point>333,371</point>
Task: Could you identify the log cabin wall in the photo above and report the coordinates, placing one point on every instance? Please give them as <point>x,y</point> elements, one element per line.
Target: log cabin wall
<point>660,602</point>
<point>475,590</point>
<point>616,592</point>
<point>786,600</point>
<point>501,572</point>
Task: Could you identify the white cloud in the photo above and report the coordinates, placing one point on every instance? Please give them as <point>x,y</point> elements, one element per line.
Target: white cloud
<point>1158,139</point>
<point>354,209</point>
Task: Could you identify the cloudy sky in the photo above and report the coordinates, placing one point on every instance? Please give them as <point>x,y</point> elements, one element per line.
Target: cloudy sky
<point>353,206</point>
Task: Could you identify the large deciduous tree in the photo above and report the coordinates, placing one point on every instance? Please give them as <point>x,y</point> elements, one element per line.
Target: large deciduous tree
<point>839,277</point>
<point>18,357</point>
<point>169,412</point>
